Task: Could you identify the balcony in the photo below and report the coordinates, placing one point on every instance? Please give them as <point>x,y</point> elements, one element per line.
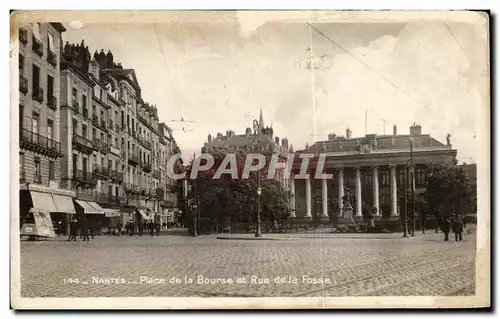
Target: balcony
<point>23,36</point>
<point>52,102</point>
<point>95,120</point>
<point>82,144</point>
<point>101,172</point>
<point>156,174</point>
<point>37,46</point>
<point>110,125</point>
<point>85,112</point>
<point>114,150</point>
<point>116,176</point>
<point>103,124</point>
<point>144,143</point>
<point>52,58</point>
<point>38,94</point>
<point>40,144</point>
<point>100,146</point>
<point>117,128</point>
<point>23,84</point>
<point>133,159</point>
<point>146,168</point>
<point>83,177</point>
<point>76,106</point>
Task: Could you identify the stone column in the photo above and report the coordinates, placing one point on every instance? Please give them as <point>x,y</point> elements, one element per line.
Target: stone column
<point>308,197</point>
<point>375,190</point>
<point>358,192</point>
<point>292,196</point>
<point>341,189</point>
<point>394,192</point>
<point>324,193</point>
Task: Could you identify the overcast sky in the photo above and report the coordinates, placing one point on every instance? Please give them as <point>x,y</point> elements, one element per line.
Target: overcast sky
<point>215,68</point>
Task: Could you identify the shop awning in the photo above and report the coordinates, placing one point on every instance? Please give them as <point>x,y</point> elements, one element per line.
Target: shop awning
<point>64,204</point>
<point>43,202</point>
<point>108,212</point>
<point>96,207</point>
<point>88,208</point>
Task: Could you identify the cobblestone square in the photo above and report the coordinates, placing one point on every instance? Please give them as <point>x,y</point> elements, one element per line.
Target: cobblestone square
<point>300,266</point>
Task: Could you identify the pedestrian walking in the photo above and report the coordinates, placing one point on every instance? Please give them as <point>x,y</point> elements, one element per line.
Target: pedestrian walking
<point>157,228</point>
<point>464,221</point>
<point>85,229</point>
<point>151,227</point>
<point>130,227</point>
<point>73,230</point>
<point>445,227</point>
<point>458,229</point>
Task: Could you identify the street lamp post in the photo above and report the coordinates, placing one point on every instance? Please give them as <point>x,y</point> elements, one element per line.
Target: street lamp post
<point>195,212</point>
<point>412,181</point>
<point>405,220</point>
<point>257,130</point>
<point>258,233</point>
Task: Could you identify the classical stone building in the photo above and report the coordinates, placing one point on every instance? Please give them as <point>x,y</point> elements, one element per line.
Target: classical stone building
<point>260,140</point>
<point>372,168</point>
<point>39,116</point>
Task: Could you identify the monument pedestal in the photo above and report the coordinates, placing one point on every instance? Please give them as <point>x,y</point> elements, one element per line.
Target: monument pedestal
<point>347,216</point>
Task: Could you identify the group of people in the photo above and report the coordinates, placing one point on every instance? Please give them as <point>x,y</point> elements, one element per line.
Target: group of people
<point>456,225</point>
<point>82,228</point>
<point>153,227</point>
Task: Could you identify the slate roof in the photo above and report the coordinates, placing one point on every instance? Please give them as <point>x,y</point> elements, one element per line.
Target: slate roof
<point>383,142</point>
<point>240,140</point>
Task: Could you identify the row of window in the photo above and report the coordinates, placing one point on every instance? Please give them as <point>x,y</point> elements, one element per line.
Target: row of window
<point>37,174</point>
<point>36,83</point>
<point>33,123</point>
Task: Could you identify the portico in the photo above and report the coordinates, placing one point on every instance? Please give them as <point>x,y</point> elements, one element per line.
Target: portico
<point>372,169</point>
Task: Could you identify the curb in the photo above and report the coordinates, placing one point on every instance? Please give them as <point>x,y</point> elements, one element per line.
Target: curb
<point>253,238</point>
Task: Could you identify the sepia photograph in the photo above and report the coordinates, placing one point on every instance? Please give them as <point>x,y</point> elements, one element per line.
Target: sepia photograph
<point>250,159</point>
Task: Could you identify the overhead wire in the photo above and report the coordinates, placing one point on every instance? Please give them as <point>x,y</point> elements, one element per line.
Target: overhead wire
<point>367,66</point>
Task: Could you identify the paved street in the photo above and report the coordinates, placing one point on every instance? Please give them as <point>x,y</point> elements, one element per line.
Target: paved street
<point>313,265</point>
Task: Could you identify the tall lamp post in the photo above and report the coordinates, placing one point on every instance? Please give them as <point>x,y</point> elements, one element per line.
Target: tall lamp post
<point>195,212</point>
<point>412,181</point>
<point>257,129</point>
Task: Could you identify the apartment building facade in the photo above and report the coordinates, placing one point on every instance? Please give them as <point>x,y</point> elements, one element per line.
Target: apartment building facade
<point>40,148</point>
<point>111,136</point>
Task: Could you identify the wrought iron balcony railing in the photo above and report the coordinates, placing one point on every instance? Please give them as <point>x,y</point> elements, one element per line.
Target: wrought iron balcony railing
<point>83,176</point>
<point>37,46</point>
<point>38,94</point>
<point>23,84</point>
<point>52,58</point>
<point>39,143</point>
<point>146,168</point>
<point>133,159</point>
<point>82,143</point>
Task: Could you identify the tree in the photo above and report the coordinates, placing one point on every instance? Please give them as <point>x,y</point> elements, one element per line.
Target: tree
<point>227,199</point>
<point>447,193</point>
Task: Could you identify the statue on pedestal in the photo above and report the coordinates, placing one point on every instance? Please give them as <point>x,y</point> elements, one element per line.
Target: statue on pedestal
<point>346,204</point>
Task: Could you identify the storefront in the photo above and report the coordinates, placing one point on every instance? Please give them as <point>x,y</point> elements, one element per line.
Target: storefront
<point>41,208</point>
<point>114,222</point>
<point>92,212</point>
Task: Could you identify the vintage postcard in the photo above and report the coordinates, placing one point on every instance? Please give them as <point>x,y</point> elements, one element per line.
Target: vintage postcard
<point>250,159</point>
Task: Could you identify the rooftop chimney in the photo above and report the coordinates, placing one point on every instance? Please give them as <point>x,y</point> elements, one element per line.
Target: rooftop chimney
<point>348,133</point>
<point>415,129</point>
<point>394,130</point>
<point>248,131</point>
